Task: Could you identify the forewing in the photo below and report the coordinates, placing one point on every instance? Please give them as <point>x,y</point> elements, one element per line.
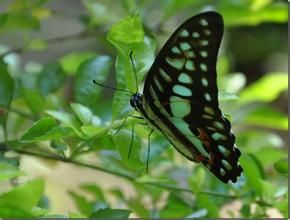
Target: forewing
<point>181,91</point>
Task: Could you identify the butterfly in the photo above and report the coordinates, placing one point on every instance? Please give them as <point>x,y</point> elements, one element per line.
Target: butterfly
<point>180,97</point>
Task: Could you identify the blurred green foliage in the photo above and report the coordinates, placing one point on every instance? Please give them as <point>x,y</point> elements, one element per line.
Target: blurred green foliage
<point>54,111</point>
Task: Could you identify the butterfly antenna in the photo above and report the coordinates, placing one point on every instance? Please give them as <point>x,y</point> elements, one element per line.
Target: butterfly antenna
<point>135,72</point>
<point>109,87</point>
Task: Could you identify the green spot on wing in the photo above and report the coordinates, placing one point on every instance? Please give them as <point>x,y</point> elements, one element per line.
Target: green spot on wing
<point>203,22</point>
<point>184,33</point>
<point>224,151</point>
<point>176,63</point>
<point>219,125</point>
<point>206,32</point>
<point>203,53</point>
<point>227,165</point>
<point>195,35</point>
<point>175,50</point>
<point>218,136</point>
<point>209,110</point>
<point>165,75</point>
<point>207,97</point>
<point>189,54</point>
<point>204,82</point>
<point>184,46</point>
<point>182,90</point>
<point>222,172</point>
<point>189,65</point>
<point>185,78</point>
<point>157,83</point>
<point>203,42</point>
<point>180,109</point>
<point>203,67</point>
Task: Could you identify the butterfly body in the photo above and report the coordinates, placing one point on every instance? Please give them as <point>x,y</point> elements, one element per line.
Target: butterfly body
<point>180,97</point>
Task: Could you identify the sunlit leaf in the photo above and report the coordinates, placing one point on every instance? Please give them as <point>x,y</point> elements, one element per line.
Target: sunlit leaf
<point>252,173</point>
<point>243,15</point>
<point>20,19</point>
<point>282,166</point>
<point>86,92</point>
<point>130,157</point>
<point>8,171</point>
<point>83,205</point>
<point>51,78</point>
<point>45,129</point>
<point>111,213</point>
<point>25,196</point>
<point>37,44</point>
<point>34,100</point>
<point>266,89</point>
<point>267,117</point>
<point>6,86</point>
<point>71,62</point>
<point>84,114</point>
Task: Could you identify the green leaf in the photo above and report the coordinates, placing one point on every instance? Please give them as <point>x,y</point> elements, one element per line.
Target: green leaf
<point>96,191</point>
<point>86,92</point>
<point>10,211</point>
<point>196,180</point>
<point>282,206</point>
<point>119,33</point>
<point>173,6</point>
<point>266,89</point>
<point>252,173</point>
<point>94,131</point>
<point>67,120</point>
<point>24,197</point>
<point>175,208</point>
<point>243,15</point>
<point>37,44</point>
<point>108,213</point>
<point>59,145</point>
<point>6,86</point>
<point>45,129</point>
<point>122,142</point>
<point>267,155</point>
<point>265,116</point>
<point>83,205</point>
<point>18,20</point>
<point>51,78</point>
<point>34,100</point>
<point>71,62</point>
<point>209,203</point>
<point>143,55</point>
<point>126,41</point>
<point>84,113</point>
<point>8,171</point>
<point>282,166</point>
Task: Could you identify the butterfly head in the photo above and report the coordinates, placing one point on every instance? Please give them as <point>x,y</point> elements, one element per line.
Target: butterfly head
<point>136,101</point>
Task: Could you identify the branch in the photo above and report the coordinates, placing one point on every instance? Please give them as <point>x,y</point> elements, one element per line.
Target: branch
<point>122,175</point>
<point>59,39</point>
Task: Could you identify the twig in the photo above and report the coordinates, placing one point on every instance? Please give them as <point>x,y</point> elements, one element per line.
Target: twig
<point>59,39</point>
<point>123,175</point>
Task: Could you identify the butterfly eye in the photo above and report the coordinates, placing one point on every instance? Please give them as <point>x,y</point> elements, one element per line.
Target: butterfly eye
<point>132,102</point>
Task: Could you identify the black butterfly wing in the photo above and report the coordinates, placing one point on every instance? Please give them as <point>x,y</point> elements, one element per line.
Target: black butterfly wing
<point>181,96</point>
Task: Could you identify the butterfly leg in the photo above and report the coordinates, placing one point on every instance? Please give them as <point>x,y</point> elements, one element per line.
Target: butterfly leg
<point>132,139</point>
<point>148,153</point>
<point>122,125</point>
